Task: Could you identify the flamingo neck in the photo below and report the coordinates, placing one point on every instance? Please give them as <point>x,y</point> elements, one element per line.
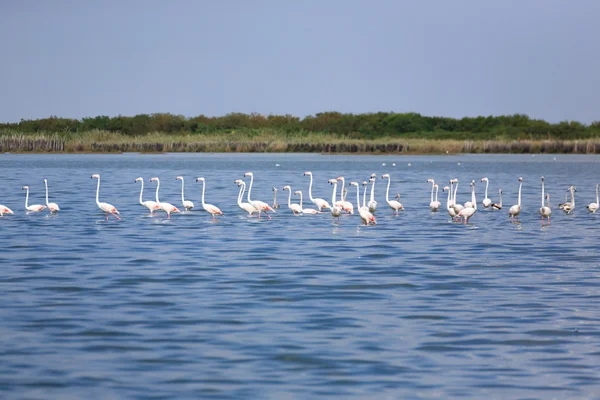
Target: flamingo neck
<point>334,192</point>
<point>46,184</point>
<point>448,203</point>
<point>387,190</point>
<point>365,197</point>
<point>372,191</point>
<point>455,190</point>
<point>500,199</point>
<point>543,197</point>
<point>358,197</point>
<point>573,197</point>
<point>203,187</point>
<point>300,201</point>
<point>26,198</point>
<point>597,195</point>
<point>274,197</point>
<point>436,194</point>
<point>240,195</point>
<point>342,198</point>
<point>473,198</point>
<point>97,192</point>
<point>486,187</point>
<point>290,198</point>
<point>310,189</point>
<point>157,187</point>
<point>141,191</point>
<point>432,185</point>
<point>519,200</point>
<point>182,184</point>
<point>250,188</point>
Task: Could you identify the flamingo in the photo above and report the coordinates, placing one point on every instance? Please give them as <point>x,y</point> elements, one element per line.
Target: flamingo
<point>545,211</point>
<point>434,205</point>
<point>486,201</point>
<point>209,208</point>
<point>320,203</point>
<point>152,206</point>
<point>468,212</point>
<point>105,207</point>
<point>457,207</point>
<point>451,200</point>
<point>372,203</point>
<point>515,210</point>
<point>261,206</point>
<point>449,207</point>
<point>188,205</point>
<point>166,207</point>
<point>593,207</point>
<point>343,204</point>
<point>275,205</point>
<point>363,211</point>
<point>364,203</point>
<point>5,210</point>
<point>296,208</point>
<point>498,206</point>
<point>52,207</point>
<point>249,208</point>
<point>394,205</point>
<point>33,207</point>
<point>336,211</point>
<point>397,197</point>
<point>310,211</point>
<point>567,207</point>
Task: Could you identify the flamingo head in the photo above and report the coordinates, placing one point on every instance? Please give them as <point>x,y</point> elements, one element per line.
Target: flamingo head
<point>436,186</point>
<point>520,179</point>
<point>373,176</point>
<point>372,218</point>
<point>298,192</point>
<point>332,181</point>
<point>548,196</point>
<point>308,173</point>
<point>248,174</point>
<point>397,196</point>
<point>364,183</point>
<point>430,181</point>
<point>455,180</point>
<point>200,179</point>
<point>287,187</point>
<point>179,178</point>
<point>274,189</point>
<point>354,184</point>
<point>384,176</point>
<point>46,180</point>
<point>500,191</point>
<point>155,179</point>
<point>97,176</point>
<point>139,179</point>
<point>340,178</point>
<point>25,188</point>
<point>175,210</point>
<point>445,188</point>
<point>486,179</point>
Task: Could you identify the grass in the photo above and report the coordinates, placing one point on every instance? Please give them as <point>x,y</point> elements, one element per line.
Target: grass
<point>268,141</point>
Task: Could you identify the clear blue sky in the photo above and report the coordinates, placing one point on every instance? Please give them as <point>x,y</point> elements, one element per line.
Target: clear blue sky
<point>458,58</point>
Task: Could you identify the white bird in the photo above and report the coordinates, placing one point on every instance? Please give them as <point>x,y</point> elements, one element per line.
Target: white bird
<point>309,211</point>
<point>261,206</point>
<point>545,211</point>
<point>33,207</point>
<point>568,207</point>
<point>343,204</point>
<point>105,207</point>
<point>457,207</point>
<point>372,203</point>
<point>166,207</point>
<point>320,203</point>
<point>5,210</point>
<point>394,205</point>
<point>209,208</point>
<point>336,211</point>
<point>468,212</point>
<point>498,206</point>
<point>363,211</point>
<point>593,207</point>
<point>515,210</point>
<point>275,205</point>
<point>486,201</point>
<point>249,208</point>
<point>434,205</point>
<point>296,208</point>
<point>52,207</point>
<point>188,205</point>
<point>449,207</point>
<point>152,206</point>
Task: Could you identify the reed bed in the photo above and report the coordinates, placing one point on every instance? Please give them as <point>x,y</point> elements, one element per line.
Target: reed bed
<point>109,142</point>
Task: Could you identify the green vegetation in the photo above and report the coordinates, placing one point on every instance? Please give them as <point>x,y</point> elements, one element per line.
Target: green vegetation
<point>329,132</point>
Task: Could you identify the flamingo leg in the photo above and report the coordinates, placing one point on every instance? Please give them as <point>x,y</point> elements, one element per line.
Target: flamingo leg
<point>267,215</point>
<point>106,216</point>
<point>117,217</point>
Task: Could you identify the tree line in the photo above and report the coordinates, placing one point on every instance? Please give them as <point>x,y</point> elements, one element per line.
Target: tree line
<point>360,126</point>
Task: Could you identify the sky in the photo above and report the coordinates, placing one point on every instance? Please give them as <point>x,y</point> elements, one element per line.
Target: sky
<point>77,59</point>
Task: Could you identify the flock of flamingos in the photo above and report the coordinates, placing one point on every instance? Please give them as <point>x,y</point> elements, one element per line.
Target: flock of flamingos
<point>366,211</point>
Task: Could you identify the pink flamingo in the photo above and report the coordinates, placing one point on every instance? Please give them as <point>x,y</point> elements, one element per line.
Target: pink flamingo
<point>261,206</point>
<point>209,208</point>
<point>105,207</point>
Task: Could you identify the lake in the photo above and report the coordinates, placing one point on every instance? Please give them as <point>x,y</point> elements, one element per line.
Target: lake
<point>295,306</point>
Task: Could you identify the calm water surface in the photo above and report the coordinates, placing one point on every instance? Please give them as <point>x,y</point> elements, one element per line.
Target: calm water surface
<point>296,307</point>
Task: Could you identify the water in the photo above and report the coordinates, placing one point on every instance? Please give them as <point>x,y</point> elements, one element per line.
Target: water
<point>296,307</point>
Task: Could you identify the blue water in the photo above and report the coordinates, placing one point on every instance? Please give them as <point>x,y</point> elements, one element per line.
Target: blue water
<point>296,307</point>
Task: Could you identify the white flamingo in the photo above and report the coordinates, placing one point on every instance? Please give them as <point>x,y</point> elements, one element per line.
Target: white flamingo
<point>5,210</point>
<point>498,206</point>
<point>249,208</point>
<point>363,211</point>
<point>372,203</point>
<point>343,204</point>
<point>320,203</point>
<point>486,201</point>
<point>309,211</point>
<point>261,206</point>
<point>515,210</point>
<point>275,205</point>
<point>188,205</point>
<point>152,206</point>
<point>394,205</point>
<point>52,207</point>
<point>468,212</point>
<point>33,207</point>
<point>105,207</point>
<point>434,205</point>
<point>545,211</point>
<point>336,211</point>
<point>296,208</point>
<point>449,207</point>
<point>593,207</point>
<point>166,207</point>
<point>457,207</point>
<point>568,207</point>
<point>209,208</point>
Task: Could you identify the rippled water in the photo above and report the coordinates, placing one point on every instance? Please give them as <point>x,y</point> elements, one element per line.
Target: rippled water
<point>296,307</point>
